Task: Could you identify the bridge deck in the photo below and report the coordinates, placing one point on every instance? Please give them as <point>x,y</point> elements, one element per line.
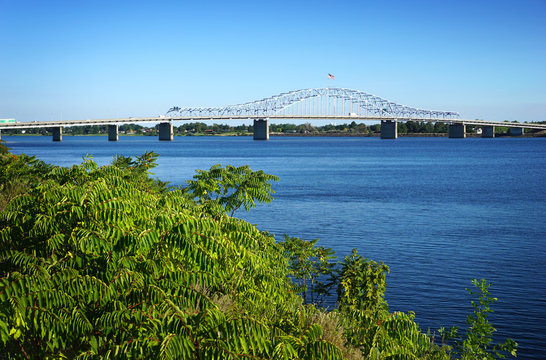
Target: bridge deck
<point>160,119</point>
<point>305,104</point>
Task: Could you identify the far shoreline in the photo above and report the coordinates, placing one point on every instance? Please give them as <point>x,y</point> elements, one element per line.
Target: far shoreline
<point>373,135</point>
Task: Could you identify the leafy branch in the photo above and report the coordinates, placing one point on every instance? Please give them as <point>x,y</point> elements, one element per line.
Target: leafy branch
<point>231,187</point>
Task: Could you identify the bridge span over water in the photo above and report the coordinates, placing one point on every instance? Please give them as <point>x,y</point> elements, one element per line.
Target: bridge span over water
<point>308,104</point>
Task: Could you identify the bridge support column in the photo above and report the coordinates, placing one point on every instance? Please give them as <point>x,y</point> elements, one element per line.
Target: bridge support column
<point>516,131</point>
<point>166,131</point>
<point>261,129</point>
<point>488,132</point>
<point>389,129</point>
<point>57,133</point>
<point>457,131</point>
<point>113,133</point>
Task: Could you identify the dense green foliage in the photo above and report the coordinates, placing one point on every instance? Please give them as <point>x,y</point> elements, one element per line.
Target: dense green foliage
<point>100,262</point>
<point>231,187</point>
<point>311,267</point>
<point>105,262</point>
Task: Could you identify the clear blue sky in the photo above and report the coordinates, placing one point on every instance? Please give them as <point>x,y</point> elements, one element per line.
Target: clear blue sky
<point>102,59</point>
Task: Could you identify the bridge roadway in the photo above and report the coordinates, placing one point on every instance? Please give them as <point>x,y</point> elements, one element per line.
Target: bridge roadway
<point>457,127</point>
<point>305,104</point>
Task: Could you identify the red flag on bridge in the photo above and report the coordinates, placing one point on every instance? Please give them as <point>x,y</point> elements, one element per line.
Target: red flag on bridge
<point>330,76</point>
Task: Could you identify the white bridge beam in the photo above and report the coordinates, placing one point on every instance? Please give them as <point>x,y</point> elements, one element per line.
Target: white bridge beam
<point>159,119</point>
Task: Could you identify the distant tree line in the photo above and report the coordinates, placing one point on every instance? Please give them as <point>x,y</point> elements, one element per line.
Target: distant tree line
<point>201,128</point>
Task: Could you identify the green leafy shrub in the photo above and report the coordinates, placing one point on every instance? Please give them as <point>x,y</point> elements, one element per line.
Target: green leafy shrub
<point>362,284</point>
<point>105,262</point>
<point>231,187</point>
<point>18,173</point>
<point>477,342</point>
<point>311,267</point>
<point>368,324</point>
<point>97,262</point>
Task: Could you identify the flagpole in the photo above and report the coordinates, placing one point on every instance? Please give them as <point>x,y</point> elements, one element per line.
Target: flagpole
<point>330,77</point>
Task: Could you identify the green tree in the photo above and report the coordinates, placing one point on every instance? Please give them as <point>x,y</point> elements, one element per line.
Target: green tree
<point>311,266</point>
<point>362,284</point>
<point>18,173</point>
<point>428,128</point>
<point>362,128</point>
<point>440,127</point>
<point>478,339</point>
<point>368,324</point>
<point>375,128</point>
<point>306,128</point>
<point>231,187</point>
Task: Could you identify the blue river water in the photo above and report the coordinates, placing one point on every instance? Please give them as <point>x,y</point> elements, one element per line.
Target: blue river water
<point>438,211</point>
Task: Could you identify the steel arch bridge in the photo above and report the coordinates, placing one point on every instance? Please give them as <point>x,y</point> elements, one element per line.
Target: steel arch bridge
<point>307,104</point>
<point>315,102</point>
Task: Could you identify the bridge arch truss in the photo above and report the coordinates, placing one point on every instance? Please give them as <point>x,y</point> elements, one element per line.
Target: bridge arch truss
<point>319,101</point>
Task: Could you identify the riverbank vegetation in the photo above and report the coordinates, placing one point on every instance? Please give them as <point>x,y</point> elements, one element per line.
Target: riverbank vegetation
<point>107,262</point>
<point>202,129</point>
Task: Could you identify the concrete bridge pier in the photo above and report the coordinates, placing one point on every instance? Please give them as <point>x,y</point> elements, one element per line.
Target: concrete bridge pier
<point>113,134</point>
<point>457,131</point>
<point>488,132</point>
<point>166,131</point>
<point>57,133</point>
<point>389,129</point>
<point>261,129</point>
<point>516,131</point>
